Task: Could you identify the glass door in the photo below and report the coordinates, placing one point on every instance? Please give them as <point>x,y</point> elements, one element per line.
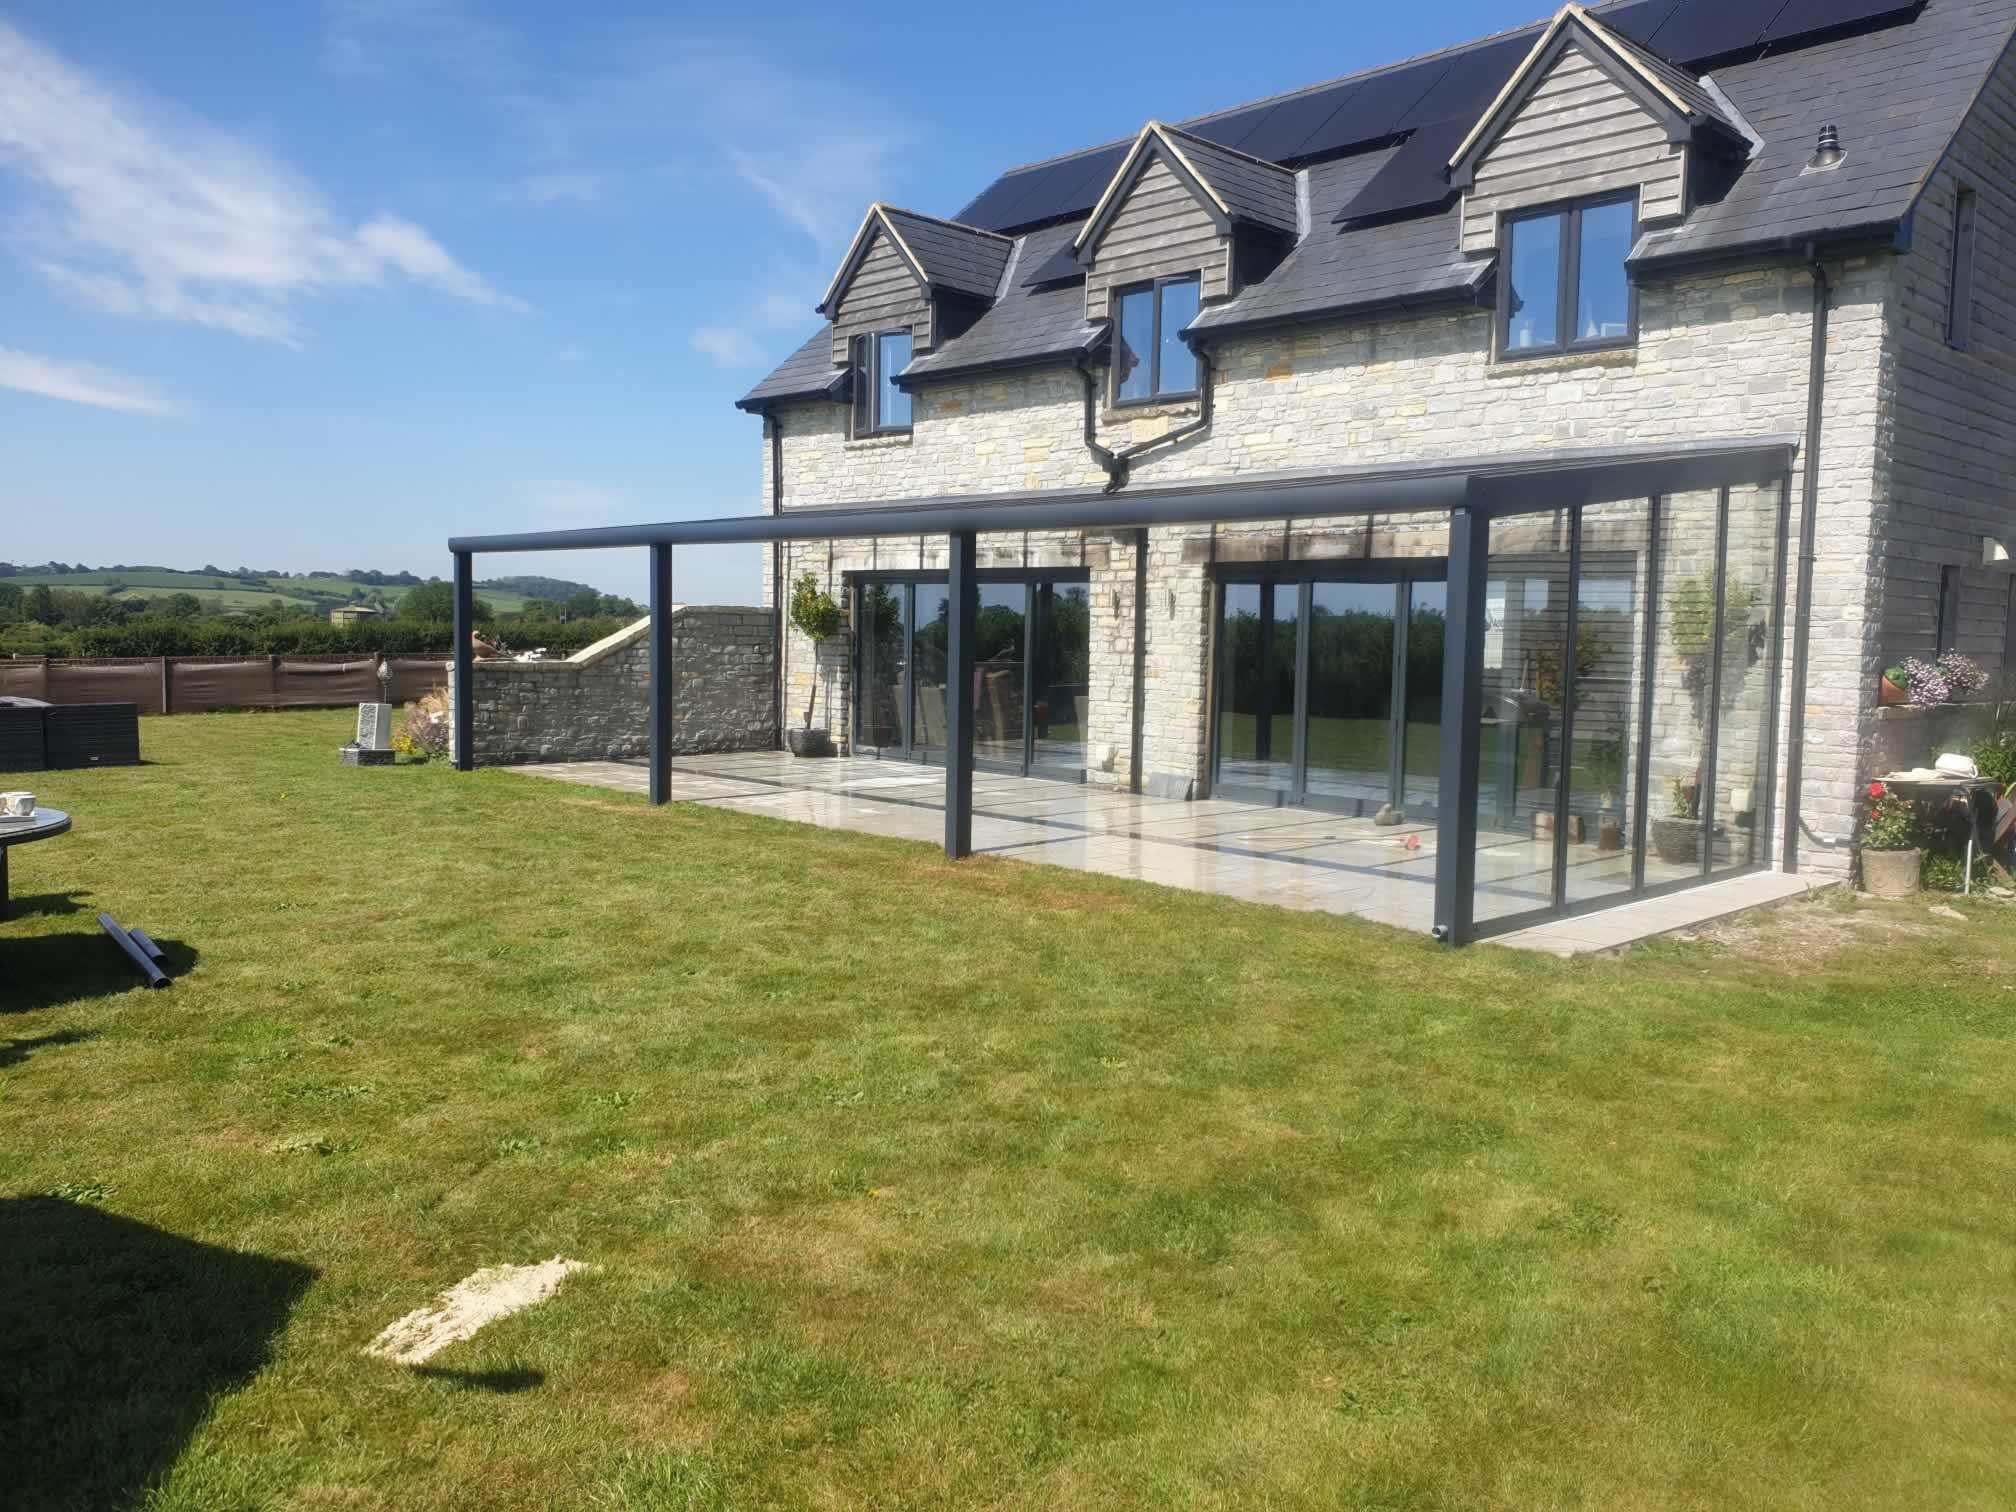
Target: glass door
<point>881,718</point>
<point>1329,692</point>
<point>1060,660</point>
<point>1000,676</point>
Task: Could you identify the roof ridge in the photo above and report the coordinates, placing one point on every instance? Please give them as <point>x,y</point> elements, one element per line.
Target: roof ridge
<point>1303,89</point>
<point>941,220</point>
<point>1204,141</point>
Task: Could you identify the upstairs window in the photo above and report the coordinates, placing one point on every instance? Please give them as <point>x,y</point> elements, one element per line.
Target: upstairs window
<point>1960,288</point>
<point>1150,359</point>
<point>880,408</point>
<point>1563,287</point>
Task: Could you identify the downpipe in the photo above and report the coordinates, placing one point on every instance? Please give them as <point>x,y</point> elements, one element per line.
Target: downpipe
<point>1809,555</point>
<point>777,571</point>
<point>1118,465</point>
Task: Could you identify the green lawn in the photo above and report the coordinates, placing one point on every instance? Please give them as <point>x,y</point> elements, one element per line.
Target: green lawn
<point>913,1184</point>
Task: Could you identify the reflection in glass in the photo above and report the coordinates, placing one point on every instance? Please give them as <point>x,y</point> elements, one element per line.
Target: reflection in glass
<point>1349,739</point>
<point>1062,653</point>
<point>1681,672</point>
<point>928,644</point>
<point>1177,373</point>
<point>1428,608</point>
<point>1609,646</point>
<point>997,674</point>
<point>1742,709</point>
<point>1256,715</point>
<point>1603,300</point>
<point>1134,342</point>
<point>1533,300</point>
<point>892,404</point>
<point>879,717</point>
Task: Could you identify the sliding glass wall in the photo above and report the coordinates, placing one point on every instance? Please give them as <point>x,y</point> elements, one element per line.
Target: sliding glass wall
<point>1628,689</point>
<point>1030,679</point>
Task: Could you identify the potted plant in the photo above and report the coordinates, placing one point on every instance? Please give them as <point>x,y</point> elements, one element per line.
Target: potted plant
<point>1895,687</point>
<point>817,617</point>
<point>1890,855</point>
<point>1677,837</point>
<point>1604,763</point>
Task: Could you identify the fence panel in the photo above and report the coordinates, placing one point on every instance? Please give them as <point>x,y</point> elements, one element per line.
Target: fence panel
<point>24,677</point>
<point>414,677</point>
<point>200,685</point>
<point>301,684</point>
<point>126,679</point>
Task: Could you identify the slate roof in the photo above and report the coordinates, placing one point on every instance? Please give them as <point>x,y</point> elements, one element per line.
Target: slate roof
<point>1897,93</point>
<point>1685,86</point>
<point>963,259</point>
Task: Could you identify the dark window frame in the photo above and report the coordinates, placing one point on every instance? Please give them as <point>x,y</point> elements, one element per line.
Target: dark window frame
<point>1960,274</point>
<point>866,359</point>
<point>1568,278</point>
<point>1952,587</point>
<point>1156,393</point>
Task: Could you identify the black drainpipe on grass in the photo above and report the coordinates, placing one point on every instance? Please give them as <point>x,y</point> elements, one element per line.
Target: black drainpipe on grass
<point>777,572</point>
<point>1809,514</point>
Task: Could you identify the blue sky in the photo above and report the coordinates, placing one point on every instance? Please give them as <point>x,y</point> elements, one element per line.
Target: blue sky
<point>308,285</point>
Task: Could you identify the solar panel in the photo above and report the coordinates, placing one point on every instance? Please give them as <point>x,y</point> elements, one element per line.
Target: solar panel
<point>1472,82</point>
<point>1059,267</point>
<point>1291,121</point>
<point>990,209</point>
<point>1638,22</point>
<point>1700,29</point>
<point>1414,178</point>
<point>1799,17</point>
<point>1232,130</point>
<point>1373,110</point>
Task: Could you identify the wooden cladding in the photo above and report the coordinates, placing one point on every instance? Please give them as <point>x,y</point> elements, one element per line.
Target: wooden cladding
<point>1160,229</point>
<point>1579,133</point>
<point>883,295</point>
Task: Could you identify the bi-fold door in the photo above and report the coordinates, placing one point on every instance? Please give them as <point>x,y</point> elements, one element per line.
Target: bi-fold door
<point>1329,687</point>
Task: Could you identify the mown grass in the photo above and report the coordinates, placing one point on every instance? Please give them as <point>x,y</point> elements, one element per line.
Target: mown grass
<point>920,1185</point>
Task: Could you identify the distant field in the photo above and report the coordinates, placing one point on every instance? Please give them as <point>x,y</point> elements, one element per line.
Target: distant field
<point>218,591</point>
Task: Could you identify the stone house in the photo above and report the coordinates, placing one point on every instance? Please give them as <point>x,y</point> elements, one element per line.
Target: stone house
<point>1632,235</point>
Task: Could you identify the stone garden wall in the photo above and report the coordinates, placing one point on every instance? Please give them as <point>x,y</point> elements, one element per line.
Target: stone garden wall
<point>595,705</point>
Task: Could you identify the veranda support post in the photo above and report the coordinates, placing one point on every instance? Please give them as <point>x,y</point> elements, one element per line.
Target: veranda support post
<point>465,657</point>
<point>662,675</point>
<point>963,592</point>
<point>1462,725</point>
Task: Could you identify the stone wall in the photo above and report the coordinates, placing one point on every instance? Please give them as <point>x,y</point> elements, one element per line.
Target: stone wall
<point>1719,356</point>
<point>596,704</point>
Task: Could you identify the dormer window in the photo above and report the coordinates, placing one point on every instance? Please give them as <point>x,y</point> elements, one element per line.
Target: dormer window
<point>1564,286</point>
<point>880,407</point>
<point>1150,359</point>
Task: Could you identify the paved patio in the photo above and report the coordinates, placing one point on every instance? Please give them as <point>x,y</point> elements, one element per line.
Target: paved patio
<point>1291,858</point>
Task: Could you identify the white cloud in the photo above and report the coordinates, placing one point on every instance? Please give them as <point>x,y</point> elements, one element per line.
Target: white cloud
<point>564,496</point>
<point>542,189</point>
<point>135,211</point>
<point>80,383</point>
<point>374,39</point>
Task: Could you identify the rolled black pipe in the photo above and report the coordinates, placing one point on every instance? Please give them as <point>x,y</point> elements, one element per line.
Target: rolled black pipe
<point>140,938</point>
<point>143,961</point>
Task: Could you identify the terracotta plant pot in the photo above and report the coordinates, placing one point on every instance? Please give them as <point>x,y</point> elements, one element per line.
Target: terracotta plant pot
<point>1891,873</point>
<point>808,742</point>
<point>1889,694</point>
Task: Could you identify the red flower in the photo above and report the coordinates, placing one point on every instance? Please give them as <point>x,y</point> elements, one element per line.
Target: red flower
<point>1875,790</point>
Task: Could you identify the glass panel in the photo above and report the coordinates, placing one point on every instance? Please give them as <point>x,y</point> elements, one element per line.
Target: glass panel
<point>1533,302</point>
<point>1178,373</point>
<point>1063,657</point>
<point>928,647</point>
<point>1427,616</point>
<point>1350,733</point>
<point>997,674</point>
<point>1603,301</point>
<point>864,386</point>
<point>1134,340</point>
<point>1525,670</point>
<point>1256,700</point>
<point>1608,682</point>
<point>1680,672</point>
<point>879,720</point>
<point>1742,714</point>
<point>892,404</point>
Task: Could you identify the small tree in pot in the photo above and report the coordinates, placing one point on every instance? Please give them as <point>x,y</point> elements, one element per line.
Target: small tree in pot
<point>818,618</point>
<point>1890,854</point>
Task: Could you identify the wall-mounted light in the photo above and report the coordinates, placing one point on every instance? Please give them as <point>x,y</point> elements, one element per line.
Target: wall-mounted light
<point>1995,554</point>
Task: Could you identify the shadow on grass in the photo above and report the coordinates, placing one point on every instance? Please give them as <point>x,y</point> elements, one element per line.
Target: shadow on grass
<point>45,905</point>
<point>39,971</point>
<point>14,1051</point>
<point>119,1337</point>
<point>501,1382</point>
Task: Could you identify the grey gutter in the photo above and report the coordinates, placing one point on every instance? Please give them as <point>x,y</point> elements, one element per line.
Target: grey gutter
<point>1453,296</point>
<point>908,381</point>
<point>1892,235</point>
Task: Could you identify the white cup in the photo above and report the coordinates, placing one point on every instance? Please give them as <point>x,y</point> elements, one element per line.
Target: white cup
<point>19,805</point>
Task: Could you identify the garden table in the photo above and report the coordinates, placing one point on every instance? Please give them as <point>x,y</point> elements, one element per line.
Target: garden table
<point>43,824</point>
<point>1973,797</point>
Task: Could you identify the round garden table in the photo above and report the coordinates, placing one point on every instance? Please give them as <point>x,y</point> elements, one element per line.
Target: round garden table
<point>43,824</point>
